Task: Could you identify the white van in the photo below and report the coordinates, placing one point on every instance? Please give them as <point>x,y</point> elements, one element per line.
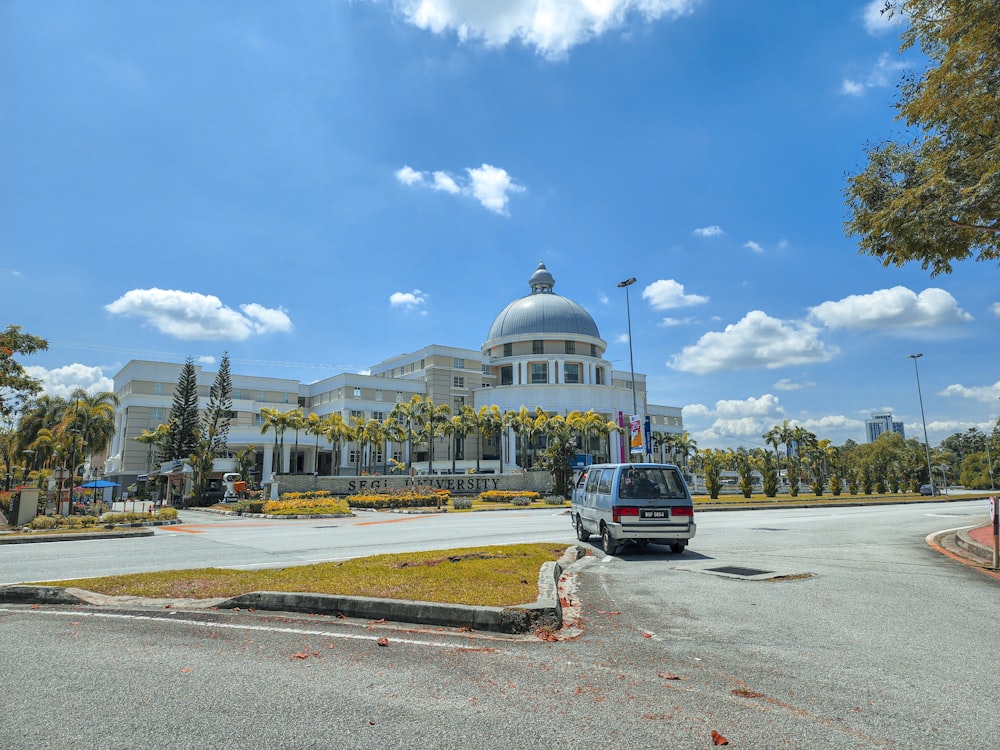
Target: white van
<point>633,503</point>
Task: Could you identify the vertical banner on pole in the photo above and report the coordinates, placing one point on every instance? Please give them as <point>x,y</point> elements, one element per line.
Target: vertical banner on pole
<point>635,435</point>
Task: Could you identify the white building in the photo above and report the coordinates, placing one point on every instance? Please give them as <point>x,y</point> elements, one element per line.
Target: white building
<point>542,350</point>
<point>879,424</point>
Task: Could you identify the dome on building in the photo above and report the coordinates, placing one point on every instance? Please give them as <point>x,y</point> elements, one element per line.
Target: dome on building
<point>542,311</point>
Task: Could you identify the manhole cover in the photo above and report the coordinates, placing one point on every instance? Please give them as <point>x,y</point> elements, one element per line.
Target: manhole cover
<point>735,570</point>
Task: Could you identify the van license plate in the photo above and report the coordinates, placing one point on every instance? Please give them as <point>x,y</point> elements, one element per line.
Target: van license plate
<point>654,514</point>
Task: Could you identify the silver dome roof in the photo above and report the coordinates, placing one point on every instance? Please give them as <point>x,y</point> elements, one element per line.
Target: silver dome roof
<point>542,311</point>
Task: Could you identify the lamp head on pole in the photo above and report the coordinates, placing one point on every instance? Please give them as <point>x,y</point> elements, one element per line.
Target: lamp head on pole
<point>627,282</point>
<point>914,356</point>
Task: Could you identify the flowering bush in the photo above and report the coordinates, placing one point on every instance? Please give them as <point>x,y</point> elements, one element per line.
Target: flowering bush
<point>399,499</point>
<point>462,503</point>
<point>317,506</point>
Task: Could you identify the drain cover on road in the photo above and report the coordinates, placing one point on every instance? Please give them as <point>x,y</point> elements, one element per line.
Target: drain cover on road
<point>735,570</point>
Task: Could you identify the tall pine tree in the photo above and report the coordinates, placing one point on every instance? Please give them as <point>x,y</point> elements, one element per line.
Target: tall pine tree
<point>215,423</point>
<point>183,439</point>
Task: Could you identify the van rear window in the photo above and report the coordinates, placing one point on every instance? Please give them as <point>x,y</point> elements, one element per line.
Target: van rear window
<point>652,482</point>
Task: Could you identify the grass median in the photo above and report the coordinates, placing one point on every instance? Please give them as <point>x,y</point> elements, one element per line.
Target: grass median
<point>497,576</point>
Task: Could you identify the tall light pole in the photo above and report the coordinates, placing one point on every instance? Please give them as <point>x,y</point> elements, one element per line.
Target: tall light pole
<point>927,445</point>
<point>631,363</point>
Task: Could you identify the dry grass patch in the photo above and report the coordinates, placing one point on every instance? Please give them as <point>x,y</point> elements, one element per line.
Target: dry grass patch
<point>485,576</point>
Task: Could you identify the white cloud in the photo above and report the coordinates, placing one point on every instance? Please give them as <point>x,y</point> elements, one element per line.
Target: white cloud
<point>995,308</point>
<point>835,423</point>
<point>666,294</point>
<point>852,88</point>
<point>408,300</point>
<point>755,246</point>
<point>552,28</point>
<point>787,385</point>
<point>882,74</point>
<point>876,22</point>
<point>712,231</point>
<point>444,181</point>
<point>206,360</point>
<point>988,394</point>
<point>745,419</point>
<point>622,338</point>
<point>671,322</point>
<point>898,307</point>
<point>756,341</point>
<point>194,316</point>
<point>491,186</point>
<point>62,381</point>
<point>408,176</point>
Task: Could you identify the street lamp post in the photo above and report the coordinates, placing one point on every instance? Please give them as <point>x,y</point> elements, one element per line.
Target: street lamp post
<point>927,445</point>
<point>631,362</point>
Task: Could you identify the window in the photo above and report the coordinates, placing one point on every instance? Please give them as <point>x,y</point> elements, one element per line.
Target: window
<point>379,415</point>
<point>378,394</point>
<point>539,372</point>
<point>599,376</point>
<point>156,414</point>
<point>537,347</point>
<point>593,350</point>
<point>158,389</point>
<point>399,397</point>
<point>258,420</point>
<point>486,370</point>
<point>507,375</point>
<point>357,392</point>
<point>458,381</point>
<point>571,372</point>
<point>571,347</point>
<point>261,396</point>
<point>459,363</point>
<point>457,403</point>
<point>237,393</point>
<point>508,350</point>
<point>357,414</point>
<point>421,364</point>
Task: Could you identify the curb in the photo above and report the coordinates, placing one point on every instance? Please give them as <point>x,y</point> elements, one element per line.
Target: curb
<point>544,612</point>
<point>35,538</point>
<point>965,542</point>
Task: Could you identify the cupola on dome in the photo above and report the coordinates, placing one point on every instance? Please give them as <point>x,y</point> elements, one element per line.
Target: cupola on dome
<point>542,312</point>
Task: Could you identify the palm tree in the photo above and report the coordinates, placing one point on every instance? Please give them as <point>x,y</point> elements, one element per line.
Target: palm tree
<point>335,431</point>
<point>314,426</point>
<point>406,414</point>
<point>156,442</point>
<point>96,419</point>
<point>271,419</point>
<point>436,416</point>
<point>295,420</point>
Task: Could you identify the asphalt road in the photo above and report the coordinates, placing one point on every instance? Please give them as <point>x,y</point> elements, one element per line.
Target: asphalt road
<point>854,634</point>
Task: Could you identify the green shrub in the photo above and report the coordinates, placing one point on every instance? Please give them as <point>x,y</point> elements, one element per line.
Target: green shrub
<point>43,522</point>
<point>514,497</point>
<point>462,503</point>
<point>554,500</point>
<point>399,499</point>
<point>249,506</point>
<point>166,514</point>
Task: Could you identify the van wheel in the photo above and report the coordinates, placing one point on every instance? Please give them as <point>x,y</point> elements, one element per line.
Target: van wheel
<point>677,547</point>
<point>610,548</point>
<point>581,533</point>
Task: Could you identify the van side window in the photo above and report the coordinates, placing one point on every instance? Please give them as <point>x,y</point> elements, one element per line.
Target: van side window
<point>592,478</point>
<point>604,485</point>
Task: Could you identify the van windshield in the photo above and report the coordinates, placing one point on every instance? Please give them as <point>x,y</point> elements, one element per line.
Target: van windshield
<point>653,482</point>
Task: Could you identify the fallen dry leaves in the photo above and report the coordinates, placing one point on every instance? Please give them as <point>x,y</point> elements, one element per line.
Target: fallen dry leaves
<point>382,641</point>
<point>718,739</point>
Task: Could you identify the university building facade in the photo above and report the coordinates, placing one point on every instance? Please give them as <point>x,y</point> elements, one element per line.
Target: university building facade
<point>543,350</point>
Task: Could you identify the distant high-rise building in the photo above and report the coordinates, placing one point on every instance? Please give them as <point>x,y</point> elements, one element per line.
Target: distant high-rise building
<point>880,424</point>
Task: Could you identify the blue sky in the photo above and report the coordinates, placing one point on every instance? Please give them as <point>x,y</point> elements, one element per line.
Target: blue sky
<point>315,186</point>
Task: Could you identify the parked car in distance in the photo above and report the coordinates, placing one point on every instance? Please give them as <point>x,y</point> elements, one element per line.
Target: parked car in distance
<point>926,489</point>
<point>633,504</point>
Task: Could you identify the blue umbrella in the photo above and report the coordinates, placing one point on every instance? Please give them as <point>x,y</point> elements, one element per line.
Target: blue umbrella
<point>100,484</point>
